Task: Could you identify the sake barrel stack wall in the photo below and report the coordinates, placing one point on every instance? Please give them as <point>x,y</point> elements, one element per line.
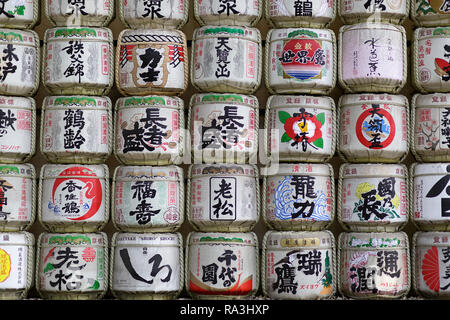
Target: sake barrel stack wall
<point>262,94</point>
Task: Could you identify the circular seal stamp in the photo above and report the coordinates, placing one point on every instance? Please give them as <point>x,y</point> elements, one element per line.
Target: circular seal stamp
<point>171,215</point>
<point>425,75</point>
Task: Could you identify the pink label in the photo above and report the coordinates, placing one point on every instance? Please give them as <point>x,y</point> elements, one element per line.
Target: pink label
<point>372,54</point>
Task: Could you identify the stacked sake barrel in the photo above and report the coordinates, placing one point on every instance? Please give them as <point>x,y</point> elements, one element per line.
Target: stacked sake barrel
<point>76,131</point>
<point>373,119</point>
<point>222,257</point>
<point>430,147</point>
<point>300,138</point>
<point>19,81</point>
<point>149,141</point>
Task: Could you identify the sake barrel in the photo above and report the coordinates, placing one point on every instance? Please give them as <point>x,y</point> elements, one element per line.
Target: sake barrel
<point>221,265</point>
<point>298,197</point>
<point>17,262</point>
<point>357,11</point>
<point>92,13</point>
<point>300,128</point>
<point>299,265</point>
<point>223,197</point>
<point>19,72</point>
<point>146,266</point>
<point>292,13</point>
<point>165,14</point>
<point>430,127</point>
<point>373,128</point>
<point>149,130</point>
<point>430,13</point>
<point>17,129</point>
<point>374,265</point>
<point>373,197</point>
<point>76,129</point>
<point>226,59</point>
<point>148,199</point>
<point>372,57</point>
<point>20,14</point>
<point>151,61</point>
<point>224,127</point>
<point>228,13</point>
<point>17,197</point>
<point>72,266</point>
<point>429,57</point>
<point>78,60</point>
<point>430,196</point>
<point>430,259</point>
<point>300,61</point>
<point>73,197</point>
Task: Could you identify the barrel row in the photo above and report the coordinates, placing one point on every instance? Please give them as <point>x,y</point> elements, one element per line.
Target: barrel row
<point>293,265</point>
<point>138,14</point>
<point>85,56</point>
<point>370,197</point>
<point>84,129</point>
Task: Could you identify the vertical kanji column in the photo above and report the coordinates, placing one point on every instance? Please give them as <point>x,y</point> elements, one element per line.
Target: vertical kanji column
<point>298,197</point>
<point>76,132</point>
<point>430,107</point>
<point>373,118</point>
<point>222,256</point>
<point>19,82</point>
<point>152,68</point>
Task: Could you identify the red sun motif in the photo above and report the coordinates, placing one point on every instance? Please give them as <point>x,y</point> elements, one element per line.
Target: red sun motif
<point>430,269</point>
<point>366,116</point>
<point>93,186</point>
<point>294,125</point>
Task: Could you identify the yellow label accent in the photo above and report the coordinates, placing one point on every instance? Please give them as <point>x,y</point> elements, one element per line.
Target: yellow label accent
<point>302,242</point>
<point>5,265</point>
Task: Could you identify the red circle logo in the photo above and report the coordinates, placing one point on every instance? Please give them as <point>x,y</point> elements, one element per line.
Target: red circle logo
<point>375,128</point>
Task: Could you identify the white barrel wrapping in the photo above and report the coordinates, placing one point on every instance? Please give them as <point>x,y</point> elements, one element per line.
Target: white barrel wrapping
<point>146,266</point>
<point>372,57</point>
<point>373,197</point>
<point>300,128</point>
<point>226,59</point>
<point>17,264</point>
<point>151,61</point>
<point>17,197</point>
<point>292,13</point>
<point>373,128</point>
<point>300,61</point>
<point>223,197</point>
<point>430,196</point>
<point>93,13</point>
<point>78,60</point>
<point>223,127</point>
<point>21,59</point>
<point>374,265</point>
<point>149,130</point>
<point>76,129</point>
<point>298,197</point>
<point>429,57</point>
<point>430,260</point>
<point>148,199</point>
<point>222,265</point>
<point>73,198</point>
<point>17,129</point>
<point>228,13</point>
<point>165,14</point>
<point>299,265</point>
<point>80,259</point>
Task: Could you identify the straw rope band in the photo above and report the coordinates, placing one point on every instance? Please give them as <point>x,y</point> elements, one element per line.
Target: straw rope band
<point>151,38</point>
